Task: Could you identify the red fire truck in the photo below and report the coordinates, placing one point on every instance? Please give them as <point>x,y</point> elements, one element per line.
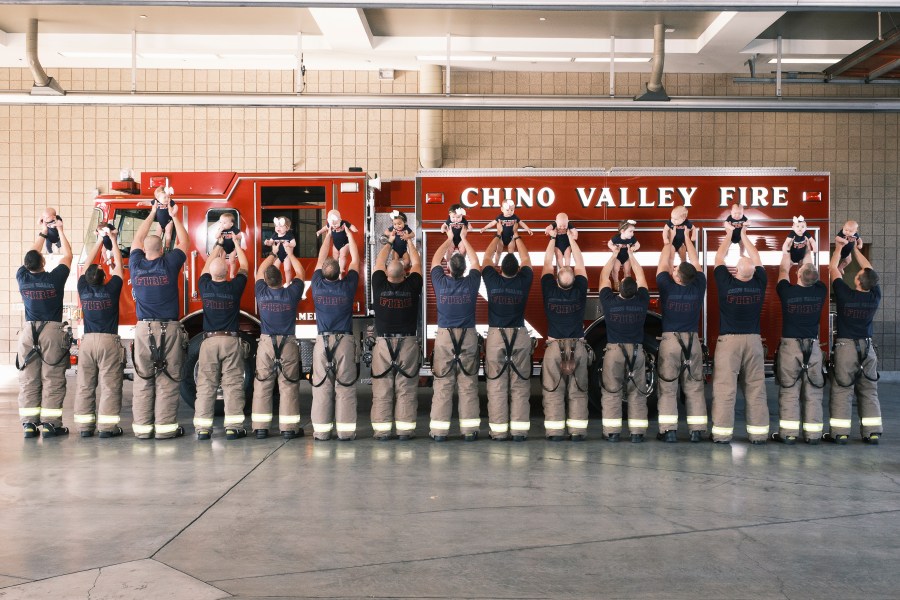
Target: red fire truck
<point>595,201</point>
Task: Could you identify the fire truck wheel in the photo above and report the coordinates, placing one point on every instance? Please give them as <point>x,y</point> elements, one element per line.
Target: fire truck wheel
<point>189,382</point>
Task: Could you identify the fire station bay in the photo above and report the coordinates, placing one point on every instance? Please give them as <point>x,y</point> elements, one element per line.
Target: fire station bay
<point>449,299</point>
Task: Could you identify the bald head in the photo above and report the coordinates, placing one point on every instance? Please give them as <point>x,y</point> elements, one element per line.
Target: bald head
<point>395,271</point>
<point>807,275</point>
<point>566,277</point>
<point>331,269</point>
<point>218,269</point>
<point>745,269</point>
<point>153,246</point>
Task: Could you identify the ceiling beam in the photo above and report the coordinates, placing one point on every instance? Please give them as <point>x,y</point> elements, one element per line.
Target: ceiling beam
<point>883,69</point>
<point>344,28</point>
<point>863,54</point>
<point>729,34</point>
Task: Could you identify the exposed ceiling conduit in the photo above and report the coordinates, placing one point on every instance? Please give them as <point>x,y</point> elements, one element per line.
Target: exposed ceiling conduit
<point>43,84</point>
<point>653,89</point>
<point>431,121</point>
<point>467,102</point>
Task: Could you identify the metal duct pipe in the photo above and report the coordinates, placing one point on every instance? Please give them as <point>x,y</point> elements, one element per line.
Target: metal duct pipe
<point>431,121</point>
<point>653,89</point>
<point>43,84</point>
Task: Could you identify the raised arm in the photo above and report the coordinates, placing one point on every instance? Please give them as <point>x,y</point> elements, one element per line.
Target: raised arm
<point>578,259</point>
<point>243,264</point>
<point>862,260</point>
<point>607,271</point>
<point>474,264</point>
<point>723,246</point>
<point>833,270</point>
<point>299,271</point>
<point>181,235</point>
<point>324,250</point>
<point>524,257</point>
<point>784,268</point>
<point>637,269</point>
<point>442,249</point>
<point>548,256</point>
<point>118,267</point>
<point>752,252</point>
<point>415,261</point>
<point>137,242</point>
<point>813,247</point>
<point>381,259</point>
<point>217,251</point>
<point>261,271</point>
<point>692,255</point>
<point>491,250</point>
<point>95,249</point>
<point>666,258</point>
<point>66,246</point>
<point>354,253</point>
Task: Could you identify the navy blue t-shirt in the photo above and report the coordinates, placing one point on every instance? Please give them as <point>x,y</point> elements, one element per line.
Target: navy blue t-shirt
<point>799,245</point>
<point>680,304</point>
<point>680,232</point>
<point>278,307</point>
<point>740,302</point>
<point>508,225</point>
<point>855,310</point>
<point>334,302</point>
<point>456,228</point>
<point>42,293</point>
<point>564,308</point>
<point>155,284</point>
<point>617,240</point>
<point>847,250</point>
<point>507,296</point>
<point>228,242</point>
<point>801,308</point>
<point>624,318</point>
<point>339,235</point>
<point>100,305</point>
<point>396,305</point>
<point>221,302</point>
<point>455,298</point>
<point>738,225</point>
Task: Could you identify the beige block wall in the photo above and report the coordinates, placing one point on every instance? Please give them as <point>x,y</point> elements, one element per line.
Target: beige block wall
<point>57,155</point>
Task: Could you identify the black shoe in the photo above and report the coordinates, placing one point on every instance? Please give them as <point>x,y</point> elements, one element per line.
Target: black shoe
<point>204,434</point>
<point>696,436</point>
<point>873,439</point>
<point>261,434</point>
<point>518,438</point>
<point>840,439</point>
<point>613,437</point>
<point>30,429</point>
<point>787,440</point>
<point>470,437</point>
<point>235,433</point>
<point>758,442</point>
<point>669,437</point>
<point>88,433</point>
<point>726,442</point>
<point>289,435</point>
<point>812,441</point>
<point>404,437</point>
<point>111,433</point>
<point>48,430</point>
<point>555,438</point>
<point>499,439</point>
<point>346,439</point>
<point>439,438</point>
<point>383,438</point>
<point>321,439</point>
<point>578,437</point>
<point>637,438</point>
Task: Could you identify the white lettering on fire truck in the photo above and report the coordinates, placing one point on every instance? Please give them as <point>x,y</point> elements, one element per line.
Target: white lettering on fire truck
<point>753,196</point>
<point>663,198</point>
<point>493,197</point>
<point>306,316</point>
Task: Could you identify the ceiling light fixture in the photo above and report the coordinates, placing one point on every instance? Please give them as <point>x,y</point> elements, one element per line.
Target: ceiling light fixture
<point>533,59</point>
<point>805,61</point>
<point>90,54</point>
<point>606,59</point>
<point>542,18</point>
<point>258,56</point>
<point>178,56</point>
<point>670,30</point>
<point>142,16</point>
<point>455,58</point>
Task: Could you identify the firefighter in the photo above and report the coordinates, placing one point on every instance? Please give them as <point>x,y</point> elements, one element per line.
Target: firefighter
<point>564,374</point>
<point>798,363</point>
<point>43,352</point>
<point>507,354</point>
<point>680,357</point>
<point>456,344</point>
<point>335,366</point>
<point>100,352</point>
<point>855,371</point>
<point>159,339</point>
<point>739,351</point>
<point>396,355</point>
<point>221,359</point>
<point>278,355</point>
<point>624,375</point>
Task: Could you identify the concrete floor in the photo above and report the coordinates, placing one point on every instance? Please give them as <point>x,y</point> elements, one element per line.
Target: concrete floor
<point>122,518</point>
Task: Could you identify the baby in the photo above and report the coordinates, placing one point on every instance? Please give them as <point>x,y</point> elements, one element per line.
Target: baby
<point>455,222</point>
<point>282,243</point>
<point>563,232</point>
<point>49,220</point>
<point>508,225</point>
<point>676,228</point>
<point>850,232</point>
<point>106,232</point>
<point>230,232</point>
<point>402,234</point>
<point>801,244</point>
<point>619,243</point>
<point>339,240</point>
<point>738,221</point>
<point>162,199</point>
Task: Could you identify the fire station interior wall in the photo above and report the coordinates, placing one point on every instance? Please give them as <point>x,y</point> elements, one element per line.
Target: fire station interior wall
<point>57,156</point>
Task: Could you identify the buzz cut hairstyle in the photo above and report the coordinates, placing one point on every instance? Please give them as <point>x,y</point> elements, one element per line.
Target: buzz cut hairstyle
<point>679,211</point>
